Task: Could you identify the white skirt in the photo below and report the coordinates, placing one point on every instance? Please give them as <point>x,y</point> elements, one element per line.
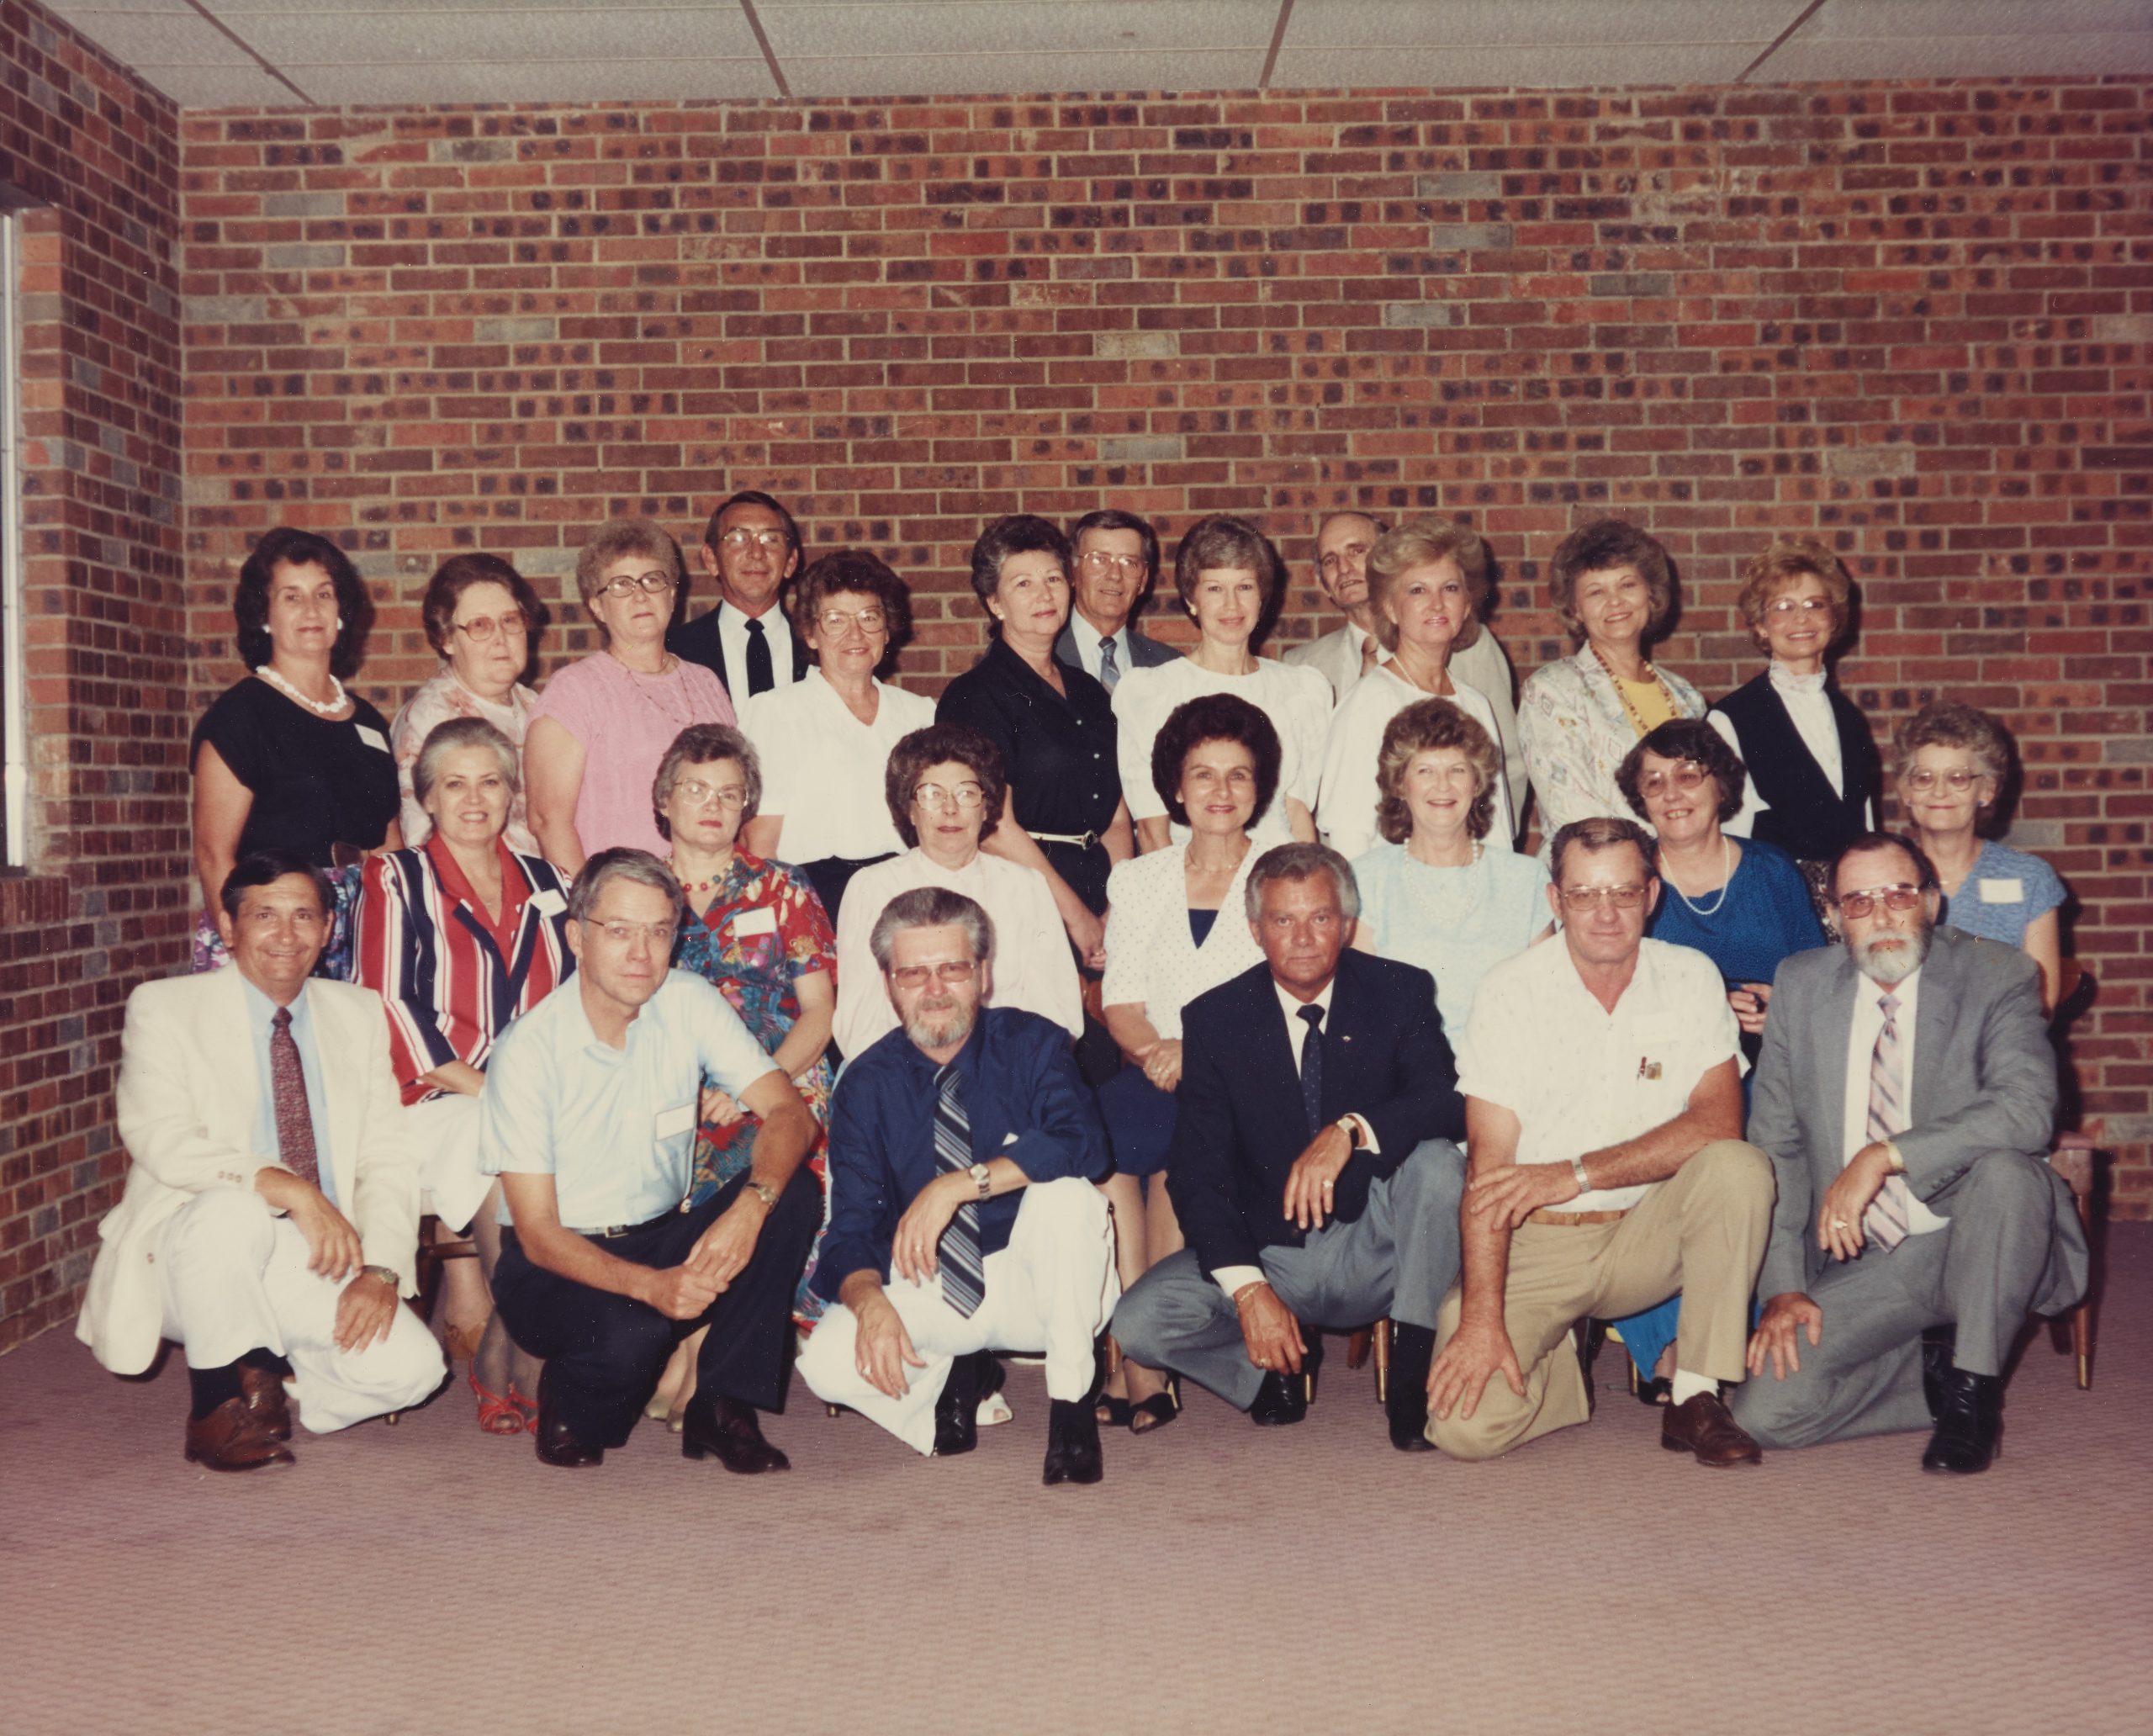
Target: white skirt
<point>445,1129</point>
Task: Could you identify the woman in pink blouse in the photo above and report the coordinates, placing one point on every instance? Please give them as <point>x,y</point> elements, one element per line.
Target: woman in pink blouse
<point>602,725</point>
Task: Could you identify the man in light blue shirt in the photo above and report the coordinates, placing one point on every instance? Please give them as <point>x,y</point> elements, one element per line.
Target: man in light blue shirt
<point>589,1118</point>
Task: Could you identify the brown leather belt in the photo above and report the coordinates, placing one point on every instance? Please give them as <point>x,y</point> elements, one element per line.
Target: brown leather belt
<point>1569,1218</point>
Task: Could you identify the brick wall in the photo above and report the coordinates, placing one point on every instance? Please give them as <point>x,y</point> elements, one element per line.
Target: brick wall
<point>90,157</point>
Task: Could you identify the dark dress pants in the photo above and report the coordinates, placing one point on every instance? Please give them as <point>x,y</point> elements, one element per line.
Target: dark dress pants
<point>604,1352</point>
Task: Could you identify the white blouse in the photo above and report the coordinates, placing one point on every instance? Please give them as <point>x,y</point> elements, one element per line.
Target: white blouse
<point>822,768</point>
<point>1345,805</point>
<point>1152,958</point>
<point>1296,698</point>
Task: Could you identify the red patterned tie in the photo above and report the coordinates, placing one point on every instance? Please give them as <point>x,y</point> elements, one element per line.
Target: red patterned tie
<point>294,1117</point>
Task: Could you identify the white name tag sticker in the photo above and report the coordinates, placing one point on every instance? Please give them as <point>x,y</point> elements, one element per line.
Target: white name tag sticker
<point>748,924</point>
<point>2003,891</point>
<point>548,903</point>
<point>675,1121</point>
<point>372,737</point>
<point>1009,1141</point>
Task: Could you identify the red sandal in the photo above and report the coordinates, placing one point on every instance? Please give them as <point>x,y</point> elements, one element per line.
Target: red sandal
<point>497,1415</point>
<point>526,1409</point>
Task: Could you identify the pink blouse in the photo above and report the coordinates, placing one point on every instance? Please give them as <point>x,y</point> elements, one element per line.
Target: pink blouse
<point>626,721</point>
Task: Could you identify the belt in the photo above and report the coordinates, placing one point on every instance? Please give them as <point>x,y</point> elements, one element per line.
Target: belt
<point>1082,840</point>
<point>1579,1217</point>
<point>614,1232</point>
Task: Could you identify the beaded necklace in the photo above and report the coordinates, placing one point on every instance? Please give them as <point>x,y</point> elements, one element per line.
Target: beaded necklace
<point>1621,694</point>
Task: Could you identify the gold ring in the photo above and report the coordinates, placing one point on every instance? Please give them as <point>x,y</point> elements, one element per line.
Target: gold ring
<point>1841,1224</point>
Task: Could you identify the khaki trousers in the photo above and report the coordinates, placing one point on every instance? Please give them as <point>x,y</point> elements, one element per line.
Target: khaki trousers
<point>1701,1231</point>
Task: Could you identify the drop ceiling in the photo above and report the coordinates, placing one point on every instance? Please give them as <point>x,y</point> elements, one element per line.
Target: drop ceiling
<point>210,54</point>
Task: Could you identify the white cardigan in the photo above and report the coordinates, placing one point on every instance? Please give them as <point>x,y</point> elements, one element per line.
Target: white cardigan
<point>1577,734</point>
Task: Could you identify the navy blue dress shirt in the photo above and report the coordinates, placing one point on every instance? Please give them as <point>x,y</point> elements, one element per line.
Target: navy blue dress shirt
<point>1026,1101</point>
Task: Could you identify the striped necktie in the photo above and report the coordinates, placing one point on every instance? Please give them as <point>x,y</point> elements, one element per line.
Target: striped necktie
<point>963,1277</point>
<point>1885,1221</point>
<point>1109,670</point>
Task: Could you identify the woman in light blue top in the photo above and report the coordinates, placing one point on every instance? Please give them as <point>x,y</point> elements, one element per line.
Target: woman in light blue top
<point>1949,763</point>
<point>1437,893</point>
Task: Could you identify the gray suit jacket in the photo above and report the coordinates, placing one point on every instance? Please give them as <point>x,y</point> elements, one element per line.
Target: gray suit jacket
<point>1145,653</point>
<point>1984,1081</point>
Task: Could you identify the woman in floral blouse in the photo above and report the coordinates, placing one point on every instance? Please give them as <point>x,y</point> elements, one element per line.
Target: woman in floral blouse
<point>758,932</point>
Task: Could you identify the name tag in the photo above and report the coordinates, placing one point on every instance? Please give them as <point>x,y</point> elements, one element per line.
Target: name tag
<point>748,924</point>
<point>374,739</point>
<point>548,903</point>
<point>2003,891</point>
<point>675,1121</point>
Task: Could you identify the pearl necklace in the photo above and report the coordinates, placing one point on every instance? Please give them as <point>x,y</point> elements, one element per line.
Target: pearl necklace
<point>1727,880</point>
<point>322,708</point>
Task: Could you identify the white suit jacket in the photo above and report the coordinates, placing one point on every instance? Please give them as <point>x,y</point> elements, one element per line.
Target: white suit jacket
<point>187,1102</point>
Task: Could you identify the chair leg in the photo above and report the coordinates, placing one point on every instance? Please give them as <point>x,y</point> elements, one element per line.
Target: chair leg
<point>1381,1341</point>
<point>2081,1343</point>
<point>1358,1345</point>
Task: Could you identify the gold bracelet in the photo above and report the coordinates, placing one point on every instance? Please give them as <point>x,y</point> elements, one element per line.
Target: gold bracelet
<point>1249,1289</point>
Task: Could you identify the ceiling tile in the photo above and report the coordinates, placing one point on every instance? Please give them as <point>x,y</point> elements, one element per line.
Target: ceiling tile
<point>1372,25</point>
<point>1020,74</point>
<point>1942,20</point>
<point>1799,62</point>
<point>447,38</point>
<point>161,39</point>
<point>534,81</point>
<point>854,31</point>
<point>1563,66</point>
<point>247,87</point>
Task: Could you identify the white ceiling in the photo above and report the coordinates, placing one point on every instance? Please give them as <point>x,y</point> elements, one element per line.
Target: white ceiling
<point>209,54</point>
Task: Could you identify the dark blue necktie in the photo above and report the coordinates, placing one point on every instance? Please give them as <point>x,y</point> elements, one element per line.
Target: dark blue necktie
<point>1312,1067</point>
<point>760,676</point>
<point>963,1277</point>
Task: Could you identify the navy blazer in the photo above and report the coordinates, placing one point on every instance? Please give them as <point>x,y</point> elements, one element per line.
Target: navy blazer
<point>1143,653</point>
<point>698,642</point>
<point>1239,1123</point>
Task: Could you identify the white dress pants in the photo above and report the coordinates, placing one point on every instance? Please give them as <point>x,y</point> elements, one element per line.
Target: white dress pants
<point>445,1129</point>
<point>1050,1291</point>
<point>235,1279</point>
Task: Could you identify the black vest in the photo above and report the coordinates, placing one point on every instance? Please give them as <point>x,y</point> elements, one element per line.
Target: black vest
<point>1804,817</point>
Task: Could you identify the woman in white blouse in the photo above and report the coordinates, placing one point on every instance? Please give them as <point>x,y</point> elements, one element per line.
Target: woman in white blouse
<point>824,742</point>
<point>1174,930</point>
<point>944,787</point>
<point>1229,578</point>
<point>1427,584</point>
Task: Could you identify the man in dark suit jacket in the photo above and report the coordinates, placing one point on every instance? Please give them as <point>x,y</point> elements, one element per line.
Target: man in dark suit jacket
<point>1913,1195</point>
<point>1115,559</point>
<point>751,547</point>
<point>1313,1165</point>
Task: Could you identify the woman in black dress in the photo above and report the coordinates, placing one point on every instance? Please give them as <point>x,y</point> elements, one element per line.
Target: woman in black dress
<point>1053,726</point>
<point>287,758</point>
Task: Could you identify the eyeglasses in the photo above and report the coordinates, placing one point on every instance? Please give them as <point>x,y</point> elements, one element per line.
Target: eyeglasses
<point>1097,560</point>
<point>652,584</point>
<point>965,797</point>
<point>1901,897</point>
<point>1686,776</point>
<point>949,973</point>
<point>741,537</point>
<point>1622,898</point>
<point>724,795</point>
<point>1959,779</point>
<point>626,933</point>
<point>487,628</point>
<point>1786,606</point>
<point>836,620</point>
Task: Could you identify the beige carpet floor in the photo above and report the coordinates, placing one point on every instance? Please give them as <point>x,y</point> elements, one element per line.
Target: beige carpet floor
<point>428,1578</point>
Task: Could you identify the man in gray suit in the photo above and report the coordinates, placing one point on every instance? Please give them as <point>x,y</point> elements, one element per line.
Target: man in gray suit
<point>1115,556</point>
<point>1906,1095</point>
<point>1343,544</point>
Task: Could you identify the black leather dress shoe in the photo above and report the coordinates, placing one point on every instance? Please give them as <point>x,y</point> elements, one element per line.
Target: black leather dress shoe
<point>730,1431</point>
<point>1937,1345</point>
<point>1281,1400</point>
<point>1405,1398</point>
<point>551,1439</point>
<point>1072,1443</point>
<point>1969,1421</point>
<point>956,1412</point>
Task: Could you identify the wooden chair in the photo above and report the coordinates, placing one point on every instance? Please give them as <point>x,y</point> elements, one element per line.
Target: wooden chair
<point>2075,1157</point>
<point>435,1250</point>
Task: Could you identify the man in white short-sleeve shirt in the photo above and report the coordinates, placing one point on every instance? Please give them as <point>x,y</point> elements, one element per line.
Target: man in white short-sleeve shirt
<point>589,1118</point>
<point>1603,1101</point>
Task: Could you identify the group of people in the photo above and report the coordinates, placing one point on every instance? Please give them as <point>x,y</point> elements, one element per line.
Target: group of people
<point>1148,1012</point>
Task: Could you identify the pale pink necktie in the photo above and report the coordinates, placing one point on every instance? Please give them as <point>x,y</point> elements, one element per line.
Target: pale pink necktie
<point>1885,1221</point>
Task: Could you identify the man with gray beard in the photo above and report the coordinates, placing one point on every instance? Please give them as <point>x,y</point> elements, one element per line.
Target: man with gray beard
<point>963,1217</point>
<point>1906,1095</point>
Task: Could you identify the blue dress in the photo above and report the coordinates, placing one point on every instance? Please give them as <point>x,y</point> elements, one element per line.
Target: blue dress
<point>1764,917</point>
<point>1456,923</point>
<point>2004,893</point>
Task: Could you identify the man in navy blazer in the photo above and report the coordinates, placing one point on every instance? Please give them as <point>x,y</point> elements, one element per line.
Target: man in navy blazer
<point>751,548</point>
<point>1313,1166</point>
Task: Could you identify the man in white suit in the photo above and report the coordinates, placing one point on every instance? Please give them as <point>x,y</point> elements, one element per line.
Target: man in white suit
<point>270,1221</point>
<point>1343,543</point>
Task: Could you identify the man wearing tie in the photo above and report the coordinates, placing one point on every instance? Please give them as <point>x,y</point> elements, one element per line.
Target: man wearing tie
<point>1312,1166</point>
<point>1906,1094</point>
<point>963,1217</point>
<point>270,1221</point>
<point>1115,557</point>
<point>751,546</point>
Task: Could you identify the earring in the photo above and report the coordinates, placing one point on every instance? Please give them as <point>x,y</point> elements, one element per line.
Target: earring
<point>340,623</point>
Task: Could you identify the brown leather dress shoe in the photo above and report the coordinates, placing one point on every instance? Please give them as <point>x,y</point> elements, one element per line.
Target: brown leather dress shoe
<point>261,1390</point>
<point>231,1438</point>
<point>1702,1426</point>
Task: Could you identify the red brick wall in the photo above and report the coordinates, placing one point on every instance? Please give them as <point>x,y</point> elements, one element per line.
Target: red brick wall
<point>95,155</point>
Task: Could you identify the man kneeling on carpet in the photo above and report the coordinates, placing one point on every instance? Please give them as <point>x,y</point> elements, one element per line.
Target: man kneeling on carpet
<point>589,1118</point>
<point>963,1217</point>
<point>1603,1110</point>
<point>270,1222</point>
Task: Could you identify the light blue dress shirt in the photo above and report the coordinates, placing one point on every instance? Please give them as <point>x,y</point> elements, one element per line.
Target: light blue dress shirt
<point>615,1127</point>
<point>261,1016</point>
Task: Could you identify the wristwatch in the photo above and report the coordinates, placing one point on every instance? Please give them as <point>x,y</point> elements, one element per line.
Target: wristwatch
<point>1894,1159</point>
<point>1584,1181</point>
<point>979,1175</point>
<point>388,1274</point>
<point>765,1193</point>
